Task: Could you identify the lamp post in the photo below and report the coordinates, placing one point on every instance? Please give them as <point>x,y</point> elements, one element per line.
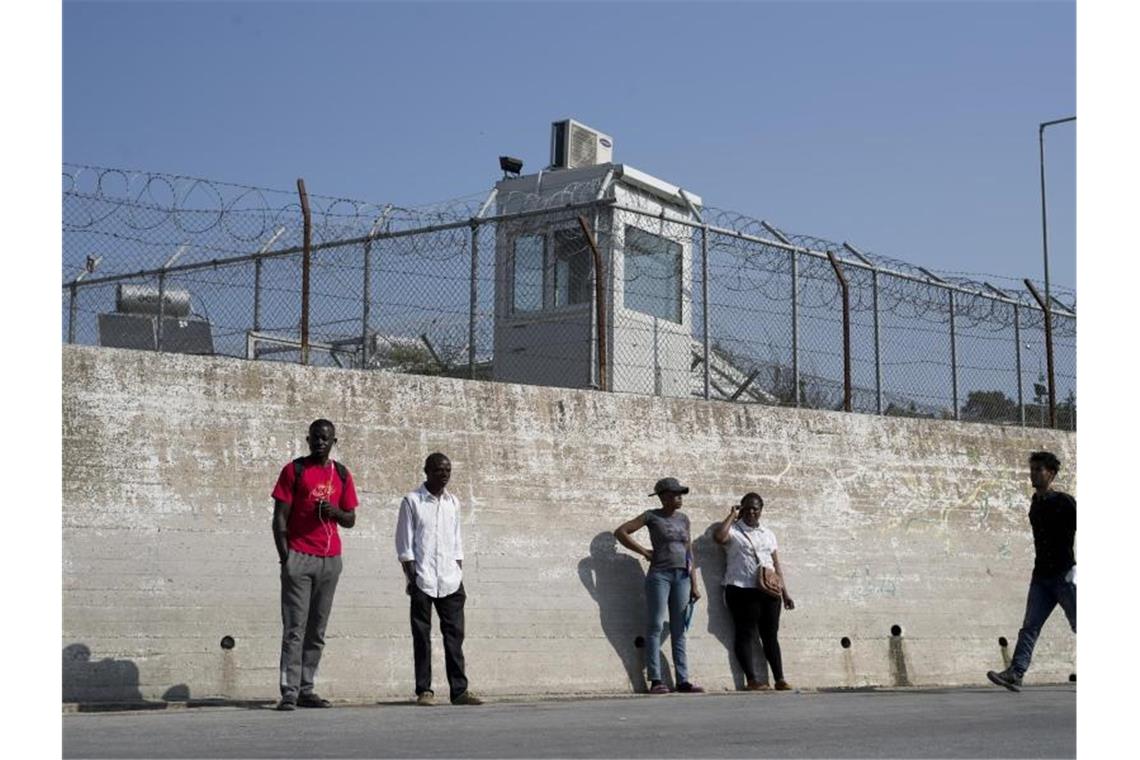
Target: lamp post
<point>1045,250</point>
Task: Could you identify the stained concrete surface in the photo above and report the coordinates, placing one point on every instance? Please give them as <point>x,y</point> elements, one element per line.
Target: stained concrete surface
<point>882,522</point>
<point>953,723</point>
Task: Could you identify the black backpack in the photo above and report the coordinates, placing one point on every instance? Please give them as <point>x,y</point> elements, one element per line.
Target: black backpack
<point>299,466</point>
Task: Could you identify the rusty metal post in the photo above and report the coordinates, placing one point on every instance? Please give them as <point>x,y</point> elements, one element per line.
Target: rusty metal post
<point>953,357</point>
<point>73,306</point>
<point>795,326</point>
<point>161,310</point>
<point>1017,340</point>
<point>474,298</point>
<point>1044,304</point>
<point>257,295</point>
<point>599,300</point>
<point>306,264</point>
<point>74,288</point>
<point>705,301</point>
<point>846,330</point>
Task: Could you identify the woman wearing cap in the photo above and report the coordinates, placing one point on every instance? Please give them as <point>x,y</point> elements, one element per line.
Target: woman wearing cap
<point>670,584</point>
<point>750,546</point>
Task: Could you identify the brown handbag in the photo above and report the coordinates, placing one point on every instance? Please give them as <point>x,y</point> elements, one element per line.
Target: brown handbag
<point>770,582</point>
<point>767,579</point>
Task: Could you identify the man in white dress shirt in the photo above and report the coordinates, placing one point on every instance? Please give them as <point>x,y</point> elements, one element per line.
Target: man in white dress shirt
<point>429,544</point>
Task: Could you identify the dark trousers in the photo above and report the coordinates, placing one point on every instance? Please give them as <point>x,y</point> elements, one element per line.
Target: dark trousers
<point>1044,595</point>
<point>308,584</point>
<point>450,609</point>
<point>753,610</point>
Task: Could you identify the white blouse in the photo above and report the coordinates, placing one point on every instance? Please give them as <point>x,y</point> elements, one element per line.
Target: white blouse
<point>746,544</point>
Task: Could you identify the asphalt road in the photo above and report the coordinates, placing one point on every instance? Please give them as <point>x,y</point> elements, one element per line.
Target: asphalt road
<point>968,723</point>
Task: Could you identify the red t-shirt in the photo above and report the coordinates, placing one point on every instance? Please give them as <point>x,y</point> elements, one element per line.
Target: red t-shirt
<point>308,533</point>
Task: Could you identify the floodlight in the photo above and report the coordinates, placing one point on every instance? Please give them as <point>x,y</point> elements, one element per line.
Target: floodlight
<point>510,165</point>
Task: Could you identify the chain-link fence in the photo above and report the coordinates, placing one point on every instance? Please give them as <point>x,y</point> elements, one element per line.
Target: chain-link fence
<point>505,286</point>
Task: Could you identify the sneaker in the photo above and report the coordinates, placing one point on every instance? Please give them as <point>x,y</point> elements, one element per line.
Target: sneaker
<point>467,698</point>
<point>312,700</point>
<point>689,688</point>
<point>286,705</point>
<point>657,687</point>
<point>756,686</point>
<point>1006,678</point>
<point>425,698</point>
<point>783,685</point>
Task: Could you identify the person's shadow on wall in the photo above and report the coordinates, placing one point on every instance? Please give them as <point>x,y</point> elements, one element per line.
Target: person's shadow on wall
<point>711,560</point>
<point>108,681</point>
<point>616,582</point>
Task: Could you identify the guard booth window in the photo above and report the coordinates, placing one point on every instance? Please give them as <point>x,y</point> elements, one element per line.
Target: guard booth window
<point>572,265</point>
<point>530,252</point>
<point>652,274</point>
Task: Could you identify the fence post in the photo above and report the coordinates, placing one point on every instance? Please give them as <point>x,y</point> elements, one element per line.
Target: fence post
<point>878,352</point>
<point>599,300</point>
<point>846,330</point>
<point>705,301</point>
<point>953,357</point>
<point>795,327</point>
<point>306,263</point>
<point>257,295</point>
<point>1017,340</point>
<point>252,352</point>
<point>72,307</point>
<point>474,296</point>
<point>161,307</point>
<point>875,313</point>
<point>162,293</point>
<point>1048,352</point>
<point>74,288</point>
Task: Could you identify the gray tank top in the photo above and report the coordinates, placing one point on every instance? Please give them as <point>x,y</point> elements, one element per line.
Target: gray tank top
<point>670,538</point>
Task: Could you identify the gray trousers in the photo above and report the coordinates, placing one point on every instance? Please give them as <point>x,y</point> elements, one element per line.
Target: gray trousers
<point>308,584</point>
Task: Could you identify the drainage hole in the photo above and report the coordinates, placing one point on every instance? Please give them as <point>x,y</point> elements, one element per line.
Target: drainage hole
<point>896,630</point>
<point>227,642</point>
<point>1003,642</point>
<point>639,642</point>
<point>845,642</point>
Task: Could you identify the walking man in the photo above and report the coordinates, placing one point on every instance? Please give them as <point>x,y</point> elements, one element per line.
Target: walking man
<point>429,544</point>
<point>313,496</point>
<point>1053,515</point>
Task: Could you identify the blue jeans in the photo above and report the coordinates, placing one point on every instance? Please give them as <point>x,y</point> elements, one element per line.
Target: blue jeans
<point>1044,595</point>
<point>667,591</point>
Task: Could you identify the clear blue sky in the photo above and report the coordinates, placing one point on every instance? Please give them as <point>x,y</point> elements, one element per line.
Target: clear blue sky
<point>906,128</point>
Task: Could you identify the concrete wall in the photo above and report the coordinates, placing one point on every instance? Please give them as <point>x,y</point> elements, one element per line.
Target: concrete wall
<point>168,462</point>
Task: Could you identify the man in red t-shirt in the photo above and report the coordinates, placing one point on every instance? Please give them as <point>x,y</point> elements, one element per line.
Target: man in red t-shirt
<point>306,512</point>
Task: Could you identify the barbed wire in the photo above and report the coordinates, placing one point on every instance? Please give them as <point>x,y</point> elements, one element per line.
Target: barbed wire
<point>422,270</point>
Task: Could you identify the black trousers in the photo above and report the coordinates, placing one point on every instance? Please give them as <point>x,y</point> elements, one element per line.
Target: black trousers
<point>450,609</point>
<point>753,610</point>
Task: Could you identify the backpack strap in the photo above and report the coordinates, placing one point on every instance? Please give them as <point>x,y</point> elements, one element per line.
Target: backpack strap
<point>299,467</point>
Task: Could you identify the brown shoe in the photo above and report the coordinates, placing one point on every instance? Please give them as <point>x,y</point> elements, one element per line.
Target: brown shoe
<point>425,698</point>
<point>756,686</point>
<point>467,698</point>
<point>783,685</point>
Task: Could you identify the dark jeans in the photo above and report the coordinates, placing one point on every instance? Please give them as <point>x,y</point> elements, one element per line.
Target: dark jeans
<point>450,609</point>
<point>1044,595</point>
<point>308,584</point>
<point>753,610</point>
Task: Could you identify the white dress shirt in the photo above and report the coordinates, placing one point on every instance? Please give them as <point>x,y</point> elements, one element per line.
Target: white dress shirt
<point>428,533</point>
<point>741,565</point>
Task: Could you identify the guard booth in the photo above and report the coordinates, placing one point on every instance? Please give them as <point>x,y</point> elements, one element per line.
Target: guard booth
<point>545,314</point>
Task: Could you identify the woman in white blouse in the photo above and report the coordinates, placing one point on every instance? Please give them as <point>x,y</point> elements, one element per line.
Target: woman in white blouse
<point>750,546</point>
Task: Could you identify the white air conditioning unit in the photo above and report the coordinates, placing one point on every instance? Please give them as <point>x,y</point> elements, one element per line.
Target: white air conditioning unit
<point>573,144</point>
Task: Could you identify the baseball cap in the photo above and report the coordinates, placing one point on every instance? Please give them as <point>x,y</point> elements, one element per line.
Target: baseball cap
<point>668,485</point>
